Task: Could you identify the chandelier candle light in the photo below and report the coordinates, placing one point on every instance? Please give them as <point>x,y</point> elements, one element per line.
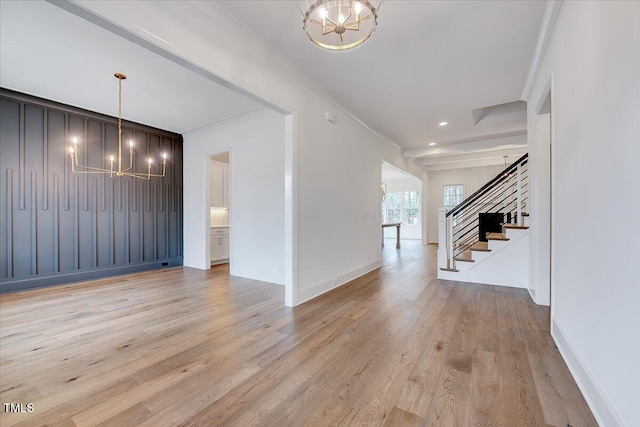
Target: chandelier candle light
<point>340,24</point>
<point>119,172</point>
<point>506,175</point>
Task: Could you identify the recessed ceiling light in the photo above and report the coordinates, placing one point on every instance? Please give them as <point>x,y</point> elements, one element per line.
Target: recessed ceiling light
<point>443,123</point>
<point>432,143</point>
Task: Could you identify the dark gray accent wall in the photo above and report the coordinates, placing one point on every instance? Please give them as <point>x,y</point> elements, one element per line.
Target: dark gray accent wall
<point>57,226</point>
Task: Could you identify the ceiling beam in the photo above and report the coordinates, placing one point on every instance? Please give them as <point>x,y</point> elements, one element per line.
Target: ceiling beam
<point>505,140</point>
<point>497,162</point>
<point>475,155</point>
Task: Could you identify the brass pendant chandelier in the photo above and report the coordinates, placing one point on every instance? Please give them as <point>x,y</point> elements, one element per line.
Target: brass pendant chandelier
<point>340,24</point>
<point>507,174</point>
<point>77,168</point>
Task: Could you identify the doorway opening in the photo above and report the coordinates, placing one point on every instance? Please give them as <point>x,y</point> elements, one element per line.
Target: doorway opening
<point>401,210</point>
<point>219,211</point>
<point>253,200</point>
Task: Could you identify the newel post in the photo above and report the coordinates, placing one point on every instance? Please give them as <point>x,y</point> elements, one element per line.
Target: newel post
<point>442,238</point>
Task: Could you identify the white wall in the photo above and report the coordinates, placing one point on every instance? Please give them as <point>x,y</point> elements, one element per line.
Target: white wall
<point>256,145</point>
<point>335,167</point>
<point>471,178</point>
<point>593,59</point>
<point>338,185</point>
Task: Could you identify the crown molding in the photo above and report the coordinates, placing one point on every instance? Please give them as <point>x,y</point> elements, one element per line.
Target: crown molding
<point>549,19</point>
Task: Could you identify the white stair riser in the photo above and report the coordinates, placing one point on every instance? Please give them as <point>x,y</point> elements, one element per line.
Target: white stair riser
<point>494,245</point>
<point>451,275</point>
<point>463,266</point>
<point>479,255</point>
<point>514,233</point>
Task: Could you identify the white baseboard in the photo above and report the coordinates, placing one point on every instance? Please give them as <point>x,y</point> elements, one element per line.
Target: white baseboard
<point>323,286</point>
<point>602,409</point>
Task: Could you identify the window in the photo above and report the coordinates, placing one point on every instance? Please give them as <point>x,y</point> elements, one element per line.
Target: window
<point>452,195</point>
<point>394,207</point>
<point>411,213</point>
<point>402,207</point>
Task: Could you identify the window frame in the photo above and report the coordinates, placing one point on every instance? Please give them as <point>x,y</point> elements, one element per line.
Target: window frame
<point>459,197</point>
<point>403,207</point>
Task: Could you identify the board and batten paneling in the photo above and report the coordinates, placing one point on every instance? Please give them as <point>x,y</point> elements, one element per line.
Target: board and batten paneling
<point>58,227</point>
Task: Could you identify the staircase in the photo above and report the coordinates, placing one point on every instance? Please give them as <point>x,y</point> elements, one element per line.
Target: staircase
<point>485,239</point>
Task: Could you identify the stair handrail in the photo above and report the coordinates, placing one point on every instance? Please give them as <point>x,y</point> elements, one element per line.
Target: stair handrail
<point>488,186</point>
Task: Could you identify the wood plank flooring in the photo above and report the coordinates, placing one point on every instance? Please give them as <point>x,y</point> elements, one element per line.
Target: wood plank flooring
<point>183,347</point>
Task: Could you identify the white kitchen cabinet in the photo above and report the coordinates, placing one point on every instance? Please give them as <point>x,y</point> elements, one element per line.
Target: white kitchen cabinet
<point>219,184</point>
<point>217,187</point>
<point>225,185</point>
<point>224,247</point>
<point>219,245</point>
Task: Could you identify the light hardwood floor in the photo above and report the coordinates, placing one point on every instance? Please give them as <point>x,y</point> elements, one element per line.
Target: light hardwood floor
<point>194,348</point>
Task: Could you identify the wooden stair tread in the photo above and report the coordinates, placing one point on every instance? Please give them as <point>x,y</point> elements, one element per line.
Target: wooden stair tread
<point>516,226</point>
<point>481,247</point>
<point>496,236</point>
<point>449,269</point>
<point>464,256</point>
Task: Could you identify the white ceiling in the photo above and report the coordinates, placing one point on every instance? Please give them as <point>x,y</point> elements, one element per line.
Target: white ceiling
<point>428,61</point>
<point>51,53</point>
